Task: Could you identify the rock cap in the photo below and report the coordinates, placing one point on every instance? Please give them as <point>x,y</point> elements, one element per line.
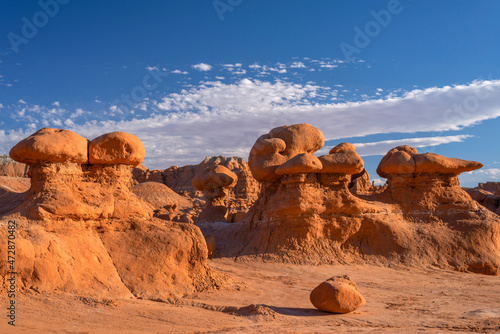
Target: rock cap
<point>116,148</point>
<point>52,146</point>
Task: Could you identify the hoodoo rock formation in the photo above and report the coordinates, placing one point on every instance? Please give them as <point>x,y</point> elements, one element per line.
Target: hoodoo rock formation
<point>215,181</point>
<point>306,214</point>
<point>338,294</point>
<point>64,184</point>
<point>11,168</point>
<point>82,230</point>
<point>239,198</point>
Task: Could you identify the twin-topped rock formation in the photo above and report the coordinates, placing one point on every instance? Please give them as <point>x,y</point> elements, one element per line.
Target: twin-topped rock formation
<point>81,230</point>
<point>74,178</point>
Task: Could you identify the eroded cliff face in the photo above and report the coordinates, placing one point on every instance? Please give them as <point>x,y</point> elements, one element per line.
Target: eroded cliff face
<point>11,168</point>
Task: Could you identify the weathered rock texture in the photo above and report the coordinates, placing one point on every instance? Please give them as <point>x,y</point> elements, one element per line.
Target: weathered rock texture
<point>64,184</point>
<point>338,294</point>
<point>422,218</point>
<point>13,191</point>
<point>239,198</point>
<point>81,230</point>
<point>489,200</point>
<point>215,181</point>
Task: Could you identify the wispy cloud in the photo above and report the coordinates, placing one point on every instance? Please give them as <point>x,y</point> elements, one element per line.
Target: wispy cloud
<point>381,147</point>
<point>226,118</point>
<point>471,179</point>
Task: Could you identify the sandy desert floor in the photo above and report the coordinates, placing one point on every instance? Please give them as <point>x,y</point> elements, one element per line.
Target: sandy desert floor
<point>274,298</point>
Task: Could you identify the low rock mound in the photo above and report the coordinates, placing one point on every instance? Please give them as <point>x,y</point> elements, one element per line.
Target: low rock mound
<point>11,168</point>
<point>13,191</point>
<point>112,259</point>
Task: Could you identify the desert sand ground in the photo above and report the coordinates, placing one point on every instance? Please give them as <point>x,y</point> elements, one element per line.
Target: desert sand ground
<point>274,298</point>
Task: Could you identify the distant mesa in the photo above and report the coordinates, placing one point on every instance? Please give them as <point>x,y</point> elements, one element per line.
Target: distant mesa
<point>313,210</point>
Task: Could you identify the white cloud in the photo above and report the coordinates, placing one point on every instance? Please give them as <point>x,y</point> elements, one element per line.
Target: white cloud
<point>56,103</point>
<point>97,101</point>
<point>219,78</point>
<point>381,147</point>
<point>215,118</point>
<point>471,179</point>
<point>22,101</point>
<point>202,67</point>
<point>178,72</point>
<point>152,68</point>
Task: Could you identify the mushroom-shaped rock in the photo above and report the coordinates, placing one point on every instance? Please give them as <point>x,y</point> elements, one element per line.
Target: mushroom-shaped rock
<point>399,162</point>
<point>435,163</point>
<point>116,148</point>
<point>406,160</point>
<point>343,162</point>
<point>211,178</point>
<point>52,146</point>
<point>338,294</point>
<point>281,144</point>
<point>265,145</point>
<point>343,147</point>
<point>301,163</point>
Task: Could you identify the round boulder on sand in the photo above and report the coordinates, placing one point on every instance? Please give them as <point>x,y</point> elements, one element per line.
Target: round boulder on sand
<point>116,148</point>
<point>51,145</point>
<point>338,294</point>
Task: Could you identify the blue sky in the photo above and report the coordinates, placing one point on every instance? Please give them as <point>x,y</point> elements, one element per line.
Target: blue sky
<point>198,78</point>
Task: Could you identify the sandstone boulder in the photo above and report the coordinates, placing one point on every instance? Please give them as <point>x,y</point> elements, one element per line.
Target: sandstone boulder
<point>405,160</point>
<point>211,178</point>
<point>116,148</point>
<point>53,146</point>
<point>159,196</point>
<point>338,294</point>
<point>301,163</point>
<point>342,162</point>
<point>269,153</point>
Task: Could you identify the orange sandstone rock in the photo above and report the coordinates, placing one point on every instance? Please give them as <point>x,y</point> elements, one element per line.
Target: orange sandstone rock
<point>52,146</point>
<point>343,162</point>
<point>338,294</point>
<point>116,148</point>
